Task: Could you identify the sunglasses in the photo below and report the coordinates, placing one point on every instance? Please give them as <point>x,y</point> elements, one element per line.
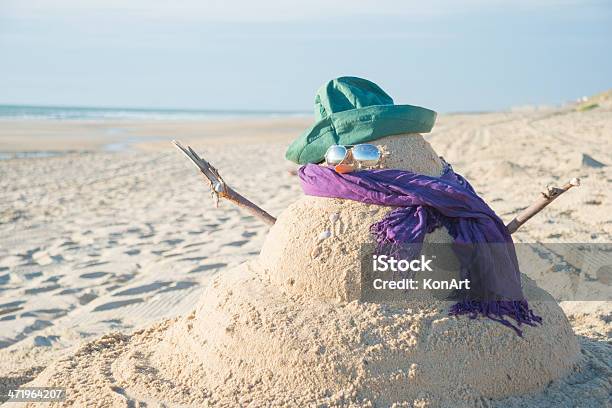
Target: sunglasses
<point>361,155</point>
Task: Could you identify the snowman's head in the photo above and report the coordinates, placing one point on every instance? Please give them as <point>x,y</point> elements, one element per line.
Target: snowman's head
<point>407,151</point>
<point>411,152</point>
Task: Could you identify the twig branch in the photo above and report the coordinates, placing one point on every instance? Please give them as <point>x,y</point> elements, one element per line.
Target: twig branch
<point>546,198</point>
<point>220,189</point>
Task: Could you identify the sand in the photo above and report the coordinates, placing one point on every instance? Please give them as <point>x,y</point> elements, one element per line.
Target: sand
<point>248,343</point>
<point>117,241</point>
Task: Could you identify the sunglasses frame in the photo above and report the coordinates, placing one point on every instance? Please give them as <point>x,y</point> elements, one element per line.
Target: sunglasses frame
<point>348,149</point>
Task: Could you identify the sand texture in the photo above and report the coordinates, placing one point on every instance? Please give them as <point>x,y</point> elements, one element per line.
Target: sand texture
<point>247,342</point>
<point>102,243</point>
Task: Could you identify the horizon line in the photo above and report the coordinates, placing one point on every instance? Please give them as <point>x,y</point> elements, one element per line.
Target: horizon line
<point>255,111</point>
<point>153,109</point>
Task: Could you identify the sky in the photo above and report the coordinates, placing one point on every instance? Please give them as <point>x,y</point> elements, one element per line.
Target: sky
<point>447,55</point>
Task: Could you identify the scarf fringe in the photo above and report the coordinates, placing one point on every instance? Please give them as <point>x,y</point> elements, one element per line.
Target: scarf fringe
<point>496,310</point>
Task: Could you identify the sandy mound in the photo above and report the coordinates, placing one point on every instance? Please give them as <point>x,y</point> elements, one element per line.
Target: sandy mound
<point>247,342</point>
<point>504,169</point>
<point>589,161</point>
<point>286,330</point>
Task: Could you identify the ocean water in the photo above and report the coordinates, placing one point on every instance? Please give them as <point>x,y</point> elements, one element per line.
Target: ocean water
<point>67,113</point>
<point>87,113</point>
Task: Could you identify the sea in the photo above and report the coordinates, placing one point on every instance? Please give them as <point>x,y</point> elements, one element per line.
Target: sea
<point>94,113</point>
<point>68,113</point>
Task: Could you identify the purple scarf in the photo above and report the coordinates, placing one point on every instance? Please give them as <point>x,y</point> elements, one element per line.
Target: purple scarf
<point>426,203</point>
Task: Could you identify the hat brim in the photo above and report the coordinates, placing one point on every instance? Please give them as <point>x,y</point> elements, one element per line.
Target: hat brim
<point>358,126</point>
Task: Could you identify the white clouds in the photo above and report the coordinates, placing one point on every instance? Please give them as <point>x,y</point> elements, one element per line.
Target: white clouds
<point>258,10</point>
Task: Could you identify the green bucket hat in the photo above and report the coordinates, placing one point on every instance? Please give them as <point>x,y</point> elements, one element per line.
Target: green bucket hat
<point>351,110</point>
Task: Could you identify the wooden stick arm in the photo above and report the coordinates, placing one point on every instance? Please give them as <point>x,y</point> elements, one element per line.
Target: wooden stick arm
<point>241,201</point>
<point>220,189</point>
<point>546,198</point>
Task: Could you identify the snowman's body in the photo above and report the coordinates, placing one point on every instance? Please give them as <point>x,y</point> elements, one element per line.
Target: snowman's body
<point>292,320</point>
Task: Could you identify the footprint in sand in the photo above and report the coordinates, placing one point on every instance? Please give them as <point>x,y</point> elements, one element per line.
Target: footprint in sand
<point>89,264</point>
<point>11,307</point>
<point>32,275</point>
<point>46,313</point>
<point>124,277</point>
<point>87,297</point>
<point>181,285</point>
<point>70,291</point>
<point>44,258</point>
<point>172,255</point>
<point>138,290</point>
<point>196,244</point>
<point>196,232</point>
<point>42,289</point>
<point>247,218</point>
<point>204,268</point>
<point>112,321</point>
<point>236,243</point>
<point>45,341</point>
<point>193,259</point>
<point>94,275</point>
<point>172,241</point>
<point>117,304</point>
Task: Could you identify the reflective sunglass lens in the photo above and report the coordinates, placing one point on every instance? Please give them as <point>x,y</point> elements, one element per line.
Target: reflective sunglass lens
<point>366,154</point>
<point>335,154</point>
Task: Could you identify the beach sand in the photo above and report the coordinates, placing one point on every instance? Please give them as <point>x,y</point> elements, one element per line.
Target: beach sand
<point>117,231</point>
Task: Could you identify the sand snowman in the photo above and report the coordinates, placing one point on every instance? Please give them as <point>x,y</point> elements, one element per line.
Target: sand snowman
<point>289,329</point>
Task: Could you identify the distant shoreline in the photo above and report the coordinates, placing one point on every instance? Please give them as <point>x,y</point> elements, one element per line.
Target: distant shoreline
<point>35,138</point>
<point>10,112</point>
<point>40,112</point>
